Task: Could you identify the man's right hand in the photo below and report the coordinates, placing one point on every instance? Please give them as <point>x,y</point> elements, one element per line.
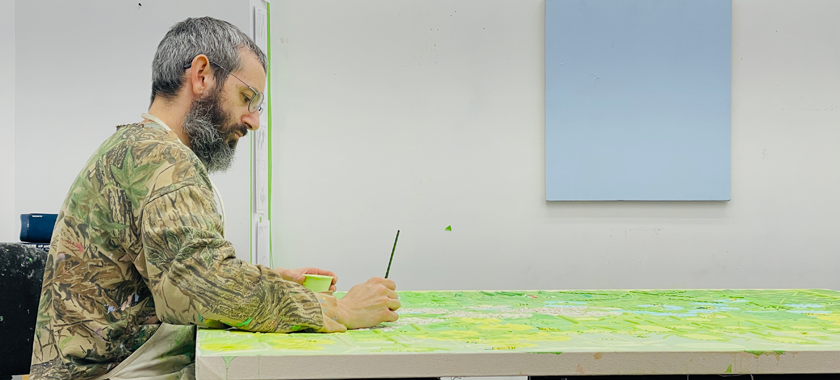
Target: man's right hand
<point>369,304</point>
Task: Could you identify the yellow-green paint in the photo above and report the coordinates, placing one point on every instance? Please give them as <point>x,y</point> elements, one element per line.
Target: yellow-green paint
<point>317,283</point>
<point>270,151</point>
<point>758,322</point>
<point>253,144</point>
<point>227,360</point>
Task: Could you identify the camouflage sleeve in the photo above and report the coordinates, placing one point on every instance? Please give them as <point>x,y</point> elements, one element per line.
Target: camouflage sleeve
<point>196,278</point>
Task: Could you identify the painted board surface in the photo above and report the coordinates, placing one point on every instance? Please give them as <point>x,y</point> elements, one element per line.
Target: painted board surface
<point>755,323</point>
<point>638,99</point>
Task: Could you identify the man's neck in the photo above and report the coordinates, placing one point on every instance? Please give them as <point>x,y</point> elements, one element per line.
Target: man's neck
<point>173,115</point>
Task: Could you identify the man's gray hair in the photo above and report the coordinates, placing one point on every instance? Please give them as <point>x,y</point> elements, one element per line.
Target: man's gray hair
<point>219,40</point>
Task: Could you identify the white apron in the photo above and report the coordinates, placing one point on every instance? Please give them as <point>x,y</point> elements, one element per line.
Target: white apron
<point>165,356</point>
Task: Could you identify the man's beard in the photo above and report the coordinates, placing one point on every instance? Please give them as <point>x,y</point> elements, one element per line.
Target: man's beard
<point>211,136</point>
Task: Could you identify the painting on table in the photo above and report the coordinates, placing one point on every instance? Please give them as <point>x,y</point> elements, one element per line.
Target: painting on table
<point>755,321</point>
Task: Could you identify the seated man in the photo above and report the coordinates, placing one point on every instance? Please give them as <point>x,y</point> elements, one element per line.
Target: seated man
<point>138,257</point>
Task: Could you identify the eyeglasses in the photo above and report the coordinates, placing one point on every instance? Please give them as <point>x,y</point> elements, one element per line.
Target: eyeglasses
<point>255,103</point>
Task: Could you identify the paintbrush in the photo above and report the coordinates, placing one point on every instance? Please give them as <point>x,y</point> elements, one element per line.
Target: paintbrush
<point>392,254</point>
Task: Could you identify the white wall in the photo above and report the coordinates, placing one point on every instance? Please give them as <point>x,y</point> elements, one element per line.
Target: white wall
<point>423,114</point>
<point>86,66</point>
<point>9,222</point>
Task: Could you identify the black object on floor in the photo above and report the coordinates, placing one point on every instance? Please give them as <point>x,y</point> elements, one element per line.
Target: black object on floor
<point>21,276</point>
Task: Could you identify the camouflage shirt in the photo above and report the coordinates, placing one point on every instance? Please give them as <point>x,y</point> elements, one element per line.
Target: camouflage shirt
<point>139,241</point>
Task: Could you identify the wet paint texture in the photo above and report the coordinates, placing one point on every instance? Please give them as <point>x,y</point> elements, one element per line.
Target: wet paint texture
<point>753,321</point>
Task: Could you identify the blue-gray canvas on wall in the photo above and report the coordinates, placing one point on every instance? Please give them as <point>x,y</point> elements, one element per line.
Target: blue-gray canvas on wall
<point>638,100</point>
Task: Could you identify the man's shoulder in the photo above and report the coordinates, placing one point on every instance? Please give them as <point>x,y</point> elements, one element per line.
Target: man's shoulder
<point>147,145</point>
<point>149,136</point>
<point>142,154</point>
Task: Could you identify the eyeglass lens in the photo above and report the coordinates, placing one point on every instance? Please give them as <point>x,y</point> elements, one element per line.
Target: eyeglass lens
<point>256,102</point>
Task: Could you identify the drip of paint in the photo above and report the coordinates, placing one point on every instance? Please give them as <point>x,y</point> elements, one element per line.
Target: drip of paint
<point>449,228</point>
<point>227,360</point>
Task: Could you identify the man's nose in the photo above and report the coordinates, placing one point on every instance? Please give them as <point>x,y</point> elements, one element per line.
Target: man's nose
<point>252,120</point>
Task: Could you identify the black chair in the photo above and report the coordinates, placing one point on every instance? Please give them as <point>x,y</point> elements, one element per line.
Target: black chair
<point>21,277</point>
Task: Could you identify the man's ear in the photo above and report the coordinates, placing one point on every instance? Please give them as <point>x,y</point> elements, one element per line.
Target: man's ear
<point>201,79</point>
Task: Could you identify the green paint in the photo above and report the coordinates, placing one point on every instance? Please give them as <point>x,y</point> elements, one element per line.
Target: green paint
<point>759,353</point>
<point>251,204</point>
<point>728,369</point>
<point>449,228</point>
<point>565,321</point>
<point>243,323</point>
<point>270,152</point>
<point>227,360</point>
<point>1,318</point>
<point>65,341</point>
<point>268,129</point>
<point>567,318</point>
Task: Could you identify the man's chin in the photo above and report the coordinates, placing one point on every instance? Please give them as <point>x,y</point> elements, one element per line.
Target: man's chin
<point>218,167</point>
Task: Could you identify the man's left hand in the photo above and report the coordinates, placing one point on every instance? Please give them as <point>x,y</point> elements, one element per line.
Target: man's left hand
<point>297,275</point>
